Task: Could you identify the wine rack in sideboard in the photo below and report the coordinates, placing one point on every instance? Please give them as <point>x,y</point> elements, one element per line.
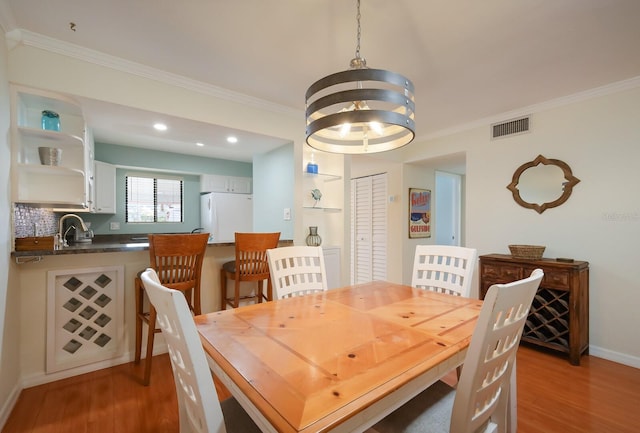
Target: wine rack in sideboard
<point>559,316</point>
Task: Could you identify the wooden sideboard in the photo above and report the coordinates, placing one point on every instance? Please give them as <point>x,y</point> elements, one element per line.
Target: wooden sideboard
<point>559,316</point>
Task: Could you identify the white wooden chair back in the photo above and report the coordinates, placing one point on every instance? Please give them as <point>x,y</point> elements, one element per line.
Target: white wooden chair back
<point>297,270</point>
<point>444,269</point>
<point>199,407</point>
<point>482,397</point>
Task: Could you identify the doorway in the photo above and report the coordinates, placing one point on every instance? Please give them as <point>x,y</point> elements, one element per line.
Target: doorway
<point>448,203</point>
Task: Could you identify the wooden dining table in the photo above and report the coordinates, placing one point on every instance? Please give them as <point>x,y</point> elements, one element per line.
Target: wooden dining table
<point>340,360</point>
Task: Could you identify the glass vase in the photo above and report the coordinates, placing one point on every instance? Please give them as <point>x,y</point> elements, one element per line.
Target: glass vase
<point>50,120</point>
<point>313,238</point>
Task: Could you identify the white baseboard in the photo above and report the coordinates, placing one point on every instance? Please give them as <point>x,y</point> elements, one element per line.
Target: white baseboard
<point>620,358</point>
<point>41,377</point>
<point>9,405</point>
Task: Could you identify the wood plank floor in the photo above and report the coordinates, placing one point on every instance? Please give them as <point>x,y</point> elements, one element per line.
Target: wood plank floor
<point>553,396</point>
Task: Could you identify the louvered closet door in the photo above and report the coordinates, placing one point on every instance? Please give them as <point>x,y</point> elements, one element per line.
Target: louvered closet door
<point>368,229</point>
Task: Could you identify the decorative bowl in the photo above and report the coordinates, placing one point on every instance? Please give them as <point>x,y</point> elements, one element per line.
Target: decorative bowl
<point>50,155</point>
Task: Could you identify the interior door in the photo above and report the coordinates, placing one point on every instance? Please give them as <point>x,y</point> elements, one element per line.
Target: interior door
<point>368,228</point>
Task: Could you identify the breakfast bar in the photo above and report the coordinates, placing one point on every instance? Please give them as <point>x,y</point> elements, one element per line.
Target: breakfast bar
<point>121,258</point>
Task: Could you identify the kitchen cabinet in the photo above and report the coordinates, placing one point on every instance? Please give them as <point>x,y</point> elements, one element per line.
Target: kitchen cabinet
<point>241,185</point>
<point>85,316</point>
<point>220,183</point>
<point>104,189</point>
<point>63,185</point>
<point>559,316</point>
<point>332,266</point>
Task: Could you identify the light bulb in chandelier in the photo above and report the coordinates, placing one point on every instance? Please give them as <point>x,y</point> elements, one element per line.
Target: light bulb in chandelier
<point>345,128</point>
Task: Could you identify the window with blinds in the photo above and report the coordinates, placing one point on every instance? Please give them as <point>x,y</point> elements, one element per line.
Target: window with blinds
<point>153,200</point>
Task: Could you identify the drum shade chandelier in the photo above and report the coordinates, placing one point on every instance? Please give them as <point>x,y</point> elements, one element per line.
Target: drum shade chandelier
<point>360,110</point>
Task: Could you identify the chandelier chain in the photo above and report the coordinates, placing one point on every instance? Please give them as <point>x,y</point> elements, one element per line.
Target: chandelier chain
<point>359,30</point>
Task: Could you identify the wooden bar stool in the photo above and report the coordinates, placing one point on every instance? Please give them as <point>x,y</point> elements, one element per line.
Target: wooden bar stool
<point>250,265</point>
<point>177,259</point>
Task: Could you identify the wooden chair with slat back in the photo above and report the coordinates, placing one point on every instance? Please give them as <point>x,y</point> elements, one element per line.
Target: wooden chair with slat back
<point>484,400</point>
<point>297,270</point>
<point>177,259</point>
<point>444,268</point>
<point>198,406</point>
<point>250,265</point>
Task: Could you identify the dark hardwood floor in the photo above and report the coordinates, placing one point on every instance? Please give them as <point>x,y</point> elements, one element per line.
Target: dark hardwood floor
<point>553,396</point>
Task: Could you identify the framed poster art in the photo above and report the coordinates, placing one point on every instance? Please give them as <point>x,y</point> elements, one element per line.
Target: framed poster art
<point>419,213</point>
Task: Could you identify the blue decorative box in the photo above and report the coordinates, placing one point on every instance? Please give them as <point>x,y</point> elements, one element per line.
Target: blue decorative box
<point>312,167</point>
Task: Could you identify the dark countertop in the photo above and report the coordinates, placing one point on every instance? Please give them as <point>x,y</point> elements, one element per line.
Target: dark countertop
<point>111,244</point>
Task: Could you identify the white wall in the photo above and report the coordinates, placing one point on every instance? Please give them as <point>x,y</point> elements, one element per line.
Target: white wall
<point>276,194</point>
<point>9,293</point>
<point>599,137</point>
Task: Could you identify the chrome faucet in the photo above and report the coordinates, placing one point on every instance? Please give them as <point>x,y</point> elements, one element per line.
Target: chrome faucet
<point>62,241</point>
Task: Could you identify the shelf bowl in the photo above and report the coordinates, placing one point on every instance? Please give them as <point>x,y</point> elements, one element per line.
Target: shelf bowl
<point>50,155</point>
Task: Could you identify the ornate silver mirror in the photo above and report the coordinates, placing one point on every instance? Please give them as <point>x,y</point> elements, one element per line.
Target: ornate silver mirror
<point>542,184</point>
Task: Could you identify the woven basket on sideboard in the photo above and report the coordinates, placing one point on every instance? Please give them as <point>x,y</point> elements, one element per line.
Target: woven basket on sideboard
<point>528,252</point>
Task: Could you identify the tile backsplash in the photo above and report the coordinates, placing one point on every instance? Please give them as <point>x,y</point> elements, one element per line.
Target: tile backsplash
<point>33,221</point>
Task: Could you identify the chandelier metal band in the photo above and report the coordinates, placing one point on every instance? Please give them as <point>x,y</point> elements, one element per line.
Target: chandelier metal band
<point>379,111</point>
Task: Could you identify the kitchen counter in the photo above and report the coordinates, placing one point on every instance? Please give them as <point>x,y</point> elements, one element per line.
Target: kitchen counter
<point>111,244</point>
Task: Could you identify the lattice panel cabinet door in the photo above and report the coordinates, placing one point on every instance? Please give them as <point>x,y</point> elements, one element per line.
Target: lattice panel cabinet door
<point>85,316</point>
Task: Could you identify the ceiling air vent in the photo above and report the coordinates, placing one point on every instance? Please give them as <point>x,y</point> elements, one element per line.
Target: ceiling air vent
<point>515,126</point>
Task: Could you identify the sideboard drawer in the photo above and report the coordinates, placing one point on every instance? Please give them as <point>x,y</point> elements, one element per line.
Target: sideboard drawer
<point>501,274</point>
<point>556,279</point>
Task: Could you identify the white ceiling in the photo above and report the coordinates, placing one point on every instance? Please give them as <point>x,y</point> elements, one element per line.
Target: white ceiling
<point>469,60</point>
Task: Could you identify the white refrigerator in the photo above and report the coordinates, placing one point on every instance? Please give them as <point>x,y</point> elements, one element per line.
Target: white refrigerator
<point>222,214</point>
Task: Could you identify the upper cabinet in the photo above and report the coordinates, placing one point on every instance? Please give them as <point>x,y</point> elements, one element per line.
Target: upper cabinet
<point>218,183</point>
<point>51,163</point>
<point>104,188</point>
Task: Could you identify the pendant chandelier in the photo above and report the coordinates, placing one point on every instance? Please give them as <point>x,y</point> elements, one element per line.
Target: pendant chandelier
<point>360,110</point>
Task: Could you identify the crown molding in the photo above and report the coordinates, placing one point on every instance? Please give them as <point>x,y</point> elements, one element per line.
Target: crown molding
<point>7,20</point>
<point>36,40</point>
<point>607,89</point>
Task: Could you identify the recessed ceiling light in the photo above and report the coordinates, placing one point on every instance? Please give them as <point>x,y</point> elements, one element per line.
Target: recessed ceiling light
<point>199,144</point>
<point>160,126</point>
<point>232,139</point>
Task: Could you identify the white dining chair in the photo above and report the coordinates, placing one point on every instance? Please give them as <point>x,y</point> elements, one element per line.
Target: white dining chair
<point>482,401</point>
<point>199,408</point>
<point>297,270</point>
<point>444,268</point>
